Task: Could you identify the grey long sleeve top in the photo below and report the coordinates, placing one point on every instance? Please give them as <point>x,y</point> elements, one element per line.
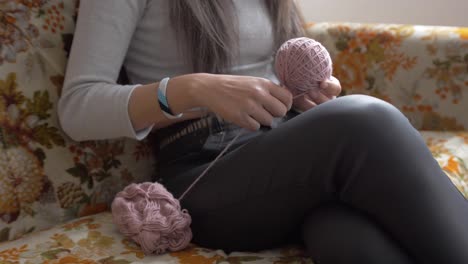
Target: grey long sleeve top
<point>138,35</point>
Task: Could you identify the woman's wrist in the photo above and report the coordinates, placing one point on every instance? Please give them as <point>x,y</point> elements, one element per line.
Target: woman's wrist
<point>186,92</point>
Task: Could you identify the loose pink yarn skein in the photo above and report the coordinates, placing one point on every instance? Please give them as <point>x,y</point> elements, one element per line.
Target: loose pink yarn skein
<point>152,217</point>
<point>302,63</point>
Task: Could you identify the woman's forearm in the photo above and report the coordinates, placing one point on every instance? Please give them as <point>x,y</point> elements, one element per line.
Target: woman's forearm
<point>144,109</point>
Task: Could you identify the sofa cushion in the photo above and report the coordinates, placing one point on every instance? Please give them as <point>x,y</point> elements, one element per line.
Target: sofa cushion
<point>95,239</point>
<point>46,178</point>
<point>450,149</point>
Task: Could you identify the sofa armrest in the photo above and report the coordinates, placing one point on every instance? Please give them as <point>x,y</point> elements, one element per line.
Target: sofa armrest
<point>422,70</point>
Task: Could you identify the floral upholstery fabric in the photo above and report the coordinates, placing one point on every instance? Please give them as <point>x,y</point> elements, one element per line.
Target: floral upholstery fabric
<point>95,239</point>
<point>47,181</point>
<point>422,70</point>
<point>46,178</point>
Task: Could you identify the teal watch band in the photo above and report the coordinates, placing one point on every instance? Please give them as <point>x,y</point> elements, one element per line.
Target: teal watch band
<point>162,100</point>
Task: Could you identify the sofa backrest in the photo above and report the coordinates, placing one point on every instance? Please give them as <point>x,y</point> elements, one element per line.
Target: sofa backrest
<point>422,70</point>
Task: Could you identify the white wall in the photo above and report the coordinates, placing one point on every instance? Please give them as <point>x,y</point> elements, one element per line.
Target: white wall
<point>421,12</point>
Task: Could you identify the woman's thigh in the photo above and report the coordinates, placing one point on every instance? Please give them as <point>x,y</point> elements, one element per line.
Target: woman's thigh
<point>257,195</point>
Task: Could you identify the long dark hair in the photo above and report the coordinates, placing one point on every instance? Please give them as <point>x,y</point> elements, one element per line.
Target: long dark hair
<point>206,29</point>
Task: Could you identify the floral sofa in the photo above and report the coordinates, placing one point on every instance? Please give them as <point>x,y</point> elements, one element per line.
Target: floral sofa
<point>55,193</point>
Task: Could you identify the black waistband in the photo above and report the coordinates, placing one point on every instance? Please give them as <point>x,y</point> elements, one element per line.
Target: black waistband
<point>205,125</point>
<point>192,138</point>
<point>201,138</point>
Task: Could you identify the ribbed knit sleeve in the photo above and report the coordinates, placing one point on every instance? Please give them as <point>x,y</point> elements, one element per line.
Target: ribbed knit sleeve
<point>92,105</point>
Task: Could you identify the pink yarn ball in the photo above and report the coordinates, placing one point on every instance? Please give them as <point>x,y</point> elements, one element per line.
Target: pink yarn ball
<point>302,63</point>
<point>152,217</point>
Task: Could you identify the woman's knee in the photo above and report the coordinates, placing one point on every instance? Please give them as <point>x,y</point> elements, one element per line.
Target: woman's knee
<point>360,113</point>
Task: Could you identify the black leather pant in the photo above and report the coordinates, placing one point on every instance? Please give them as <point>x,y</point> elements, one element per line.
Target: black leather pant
<point>351,178</point>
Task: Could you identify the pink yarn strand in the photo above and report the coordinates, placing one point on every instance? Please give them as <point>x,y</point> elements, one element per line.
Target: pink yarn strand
<point>300,95</point>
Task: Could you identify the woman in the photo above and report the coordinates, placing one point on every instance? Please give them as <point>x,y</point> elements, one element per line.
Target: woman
<point>348,177</point>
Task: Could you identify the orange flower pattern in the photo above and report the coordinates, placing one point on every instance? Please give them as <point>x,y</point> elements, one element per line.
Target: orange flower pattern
<point>463,33</point>
<point>18,30</point>
<point>363,52</point>
<point>12,255</point>
<point>23,137</point>
<point>421,70</point>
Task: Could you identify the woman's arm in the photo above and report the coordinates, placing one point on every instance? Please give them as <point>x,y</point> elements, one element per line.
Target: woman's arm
<point>93,106</point>
<point>243,100</point>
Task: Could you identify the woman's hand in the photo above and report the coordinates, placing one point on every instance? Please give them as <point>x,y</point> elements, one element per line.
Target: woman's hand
<point>329,90</point>
<point>243,100</point>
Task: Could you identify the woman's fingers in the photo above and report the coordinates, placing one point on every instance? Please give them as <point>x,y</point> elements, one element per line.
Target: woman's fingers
<point>281,93</point>
<point>318,96</point>
<point>331,87</point>
<point>261,115</point>
<point>329,90</point>
<point>274,99</point>
<point>250,123</point>
<point>274,106</point>
<point>257,117</point>
<point>303,103</point>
